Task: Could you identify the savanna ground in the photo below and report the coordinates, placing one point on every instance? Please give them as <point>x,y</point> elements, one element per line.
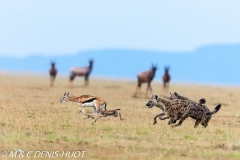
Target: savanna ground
<point>32,119</point>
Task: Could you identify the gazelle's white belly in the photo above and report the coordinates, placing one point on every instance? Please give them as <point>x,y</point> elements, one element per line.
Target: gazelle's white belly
<point>89,104</point>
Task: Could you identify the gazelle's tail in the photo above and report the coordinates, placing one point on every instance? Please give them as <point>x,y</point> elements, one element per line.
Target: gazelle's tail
<point>215,110</point>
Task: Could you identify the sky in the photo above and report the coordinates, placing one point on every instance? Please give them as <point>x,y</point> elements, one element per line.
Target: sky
<point>59,27</point>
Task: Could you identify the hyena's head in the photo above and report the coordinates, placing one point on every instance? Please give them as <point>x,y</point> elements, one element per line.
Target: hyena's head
<point>152,101</point>
<point>64,97</point>
<point>174,95</point>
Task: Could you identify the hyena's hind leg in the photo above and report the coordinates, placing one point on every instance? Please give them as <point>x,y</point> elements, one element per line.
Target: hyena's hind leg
<point>197,123</point>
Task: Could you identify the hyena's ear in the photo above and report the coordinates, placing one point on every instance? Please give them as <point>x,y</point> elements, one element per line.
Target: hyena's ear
<point>156,96</point>
<point>175,93</point>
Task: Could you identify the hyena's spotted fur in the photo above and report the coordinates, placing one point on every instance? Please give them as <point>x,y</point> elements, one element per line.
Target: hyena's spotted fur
<point>176,109</point>
<point>175,95</point>
<point>208,114</point>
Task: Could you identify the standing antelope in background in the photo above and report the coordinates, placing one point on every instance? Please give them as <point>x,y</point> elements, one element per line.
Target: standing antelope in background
<point>97,103</point>
<point>81,71</point>
<point>166,78</point>
<point>146,77</point>
<point>53,73</point>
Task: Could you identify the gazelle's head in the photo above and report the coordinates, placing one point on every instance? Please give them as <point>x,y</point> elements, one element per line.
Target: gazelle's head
<point>152,101</point>
<point>64,98</point>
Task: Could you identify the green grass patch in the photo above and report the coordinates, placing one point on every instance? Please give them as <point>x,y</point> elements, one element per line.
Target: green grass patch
<point>142,131</point>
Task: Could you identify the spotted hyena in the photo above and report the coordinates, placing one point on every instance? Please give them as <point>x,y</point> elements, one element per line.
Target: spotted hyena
<point>176,109</point>
<point>207,112</point>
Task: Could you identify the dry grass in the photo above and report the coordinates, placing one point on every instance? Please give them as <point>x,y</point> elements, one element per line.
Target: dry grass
<point>33,119</point>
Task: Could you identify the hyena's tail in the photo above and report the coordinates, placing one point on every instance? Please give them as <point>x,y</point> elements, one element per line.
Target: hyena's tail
<point>215,110</point>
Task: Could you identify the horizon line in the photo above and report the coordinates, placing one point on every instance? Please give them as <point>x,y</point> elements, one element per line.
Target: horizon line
<point>120,49</point>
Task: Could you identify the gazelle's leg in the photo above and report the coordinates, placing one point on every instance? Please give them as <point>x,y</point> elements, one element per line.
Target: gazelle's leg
<point>104,107</point>
<point>88,115</point>
<point>97,119</point>
<point>94,110</point>
<point>83,108</point>
<point>120,116</point>
<point>80,106</point>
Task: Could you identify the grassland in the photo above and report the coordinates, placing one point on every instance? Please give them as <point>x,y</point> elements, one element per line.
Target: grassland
<point>31,118</point>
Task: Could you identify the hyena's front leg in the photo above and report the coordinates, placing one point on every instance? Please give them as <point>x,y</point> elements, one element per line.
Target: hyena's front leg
<point>155,118</point>
<point>163,118</point>
<point>183,117</point>
<point>173,120</point>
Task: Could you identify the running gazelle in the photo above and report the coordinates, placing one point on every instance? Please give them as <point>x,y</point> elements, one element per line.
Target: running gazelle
<point>97,103</point>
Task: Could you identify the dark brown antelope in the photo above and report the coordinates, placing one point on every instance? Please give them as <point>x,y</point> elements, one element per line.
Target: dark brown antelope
<point>166,78</point>
<point>146,77</point>
<point>81,71</point>
<point>53,73</point>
